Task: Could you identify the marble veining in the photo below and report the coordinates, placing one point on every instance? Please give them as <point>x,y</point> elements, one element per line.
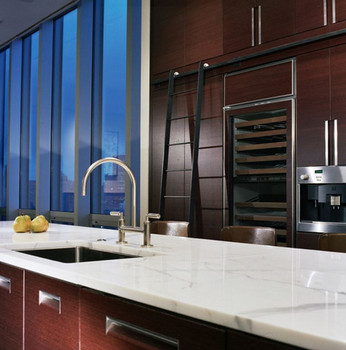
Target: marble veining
<point>294,296</point>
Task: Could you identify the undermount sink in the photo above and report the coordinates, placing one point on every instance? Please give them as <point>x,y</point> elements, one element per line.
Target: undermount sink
<point>76,254</point>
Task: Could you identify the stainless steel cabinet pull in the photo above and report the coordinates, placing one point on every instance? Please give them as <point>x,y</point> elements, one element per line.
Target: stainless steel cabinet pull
<point>118,327</point>
<point>50,300</point>
<point>326,142</point>
<point>252,26</point>
<point>259,25</point>
<point>335,142</point>
<point>325,12</point>
<point>5,283</point>
<point>333,12</point>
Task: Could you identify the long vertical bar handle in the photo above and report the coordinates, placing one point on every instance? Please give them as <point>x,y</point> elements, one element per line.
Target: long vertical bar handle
<point>326,142</point>
<point>336,142</point>
<point>259,25</point>
<point>5,283</point>
<point>252,26</point>
<point>325,12</point>
<point>333,12</point>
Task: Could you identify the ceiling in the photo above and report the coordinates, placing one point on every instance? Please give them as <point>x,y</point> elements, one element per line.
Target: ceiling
<point>20,16</point>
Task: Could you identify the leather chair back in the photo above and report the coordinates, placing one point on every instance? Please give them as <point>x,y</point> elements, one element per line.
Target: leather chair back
<point>249,234</point>
<point>170,228</point>
<point>333,242</point>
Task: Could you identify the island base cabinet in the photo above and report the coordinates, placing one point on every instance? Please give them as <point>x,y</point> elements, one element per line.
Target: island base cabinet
<point>242,341</point>
<point>11,307</point>
<point>109,322</point>
<point>51,313</point>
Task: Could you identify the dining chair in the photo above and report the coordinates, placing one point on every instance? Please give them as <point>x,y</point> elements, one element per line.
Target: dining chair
<point>249,234</point>
<point>170,228</point>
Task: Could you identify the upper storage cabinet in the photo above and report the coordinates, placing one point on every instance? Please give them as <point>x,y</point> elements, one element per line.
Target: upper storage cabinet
<point>313,14</point>
<point>254,22</point>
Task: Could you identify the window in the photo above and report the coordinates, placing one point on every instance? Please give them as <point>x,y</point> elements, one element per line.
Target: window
<point>29,122</point>
<point>63,119</point>
<point>4,90</point>
<point>109,193</point>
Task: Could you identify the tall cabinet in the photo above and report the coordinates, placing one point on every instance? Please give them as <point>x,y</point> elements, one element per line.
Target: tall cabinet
<point>259,123</point>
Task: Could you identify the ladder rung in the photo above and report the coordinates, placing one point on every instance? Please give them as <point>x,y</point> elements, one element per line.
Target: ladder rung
<point>180,143</point>
<point>177,170</point>
<point>177,196</point>
<point>183,91</point>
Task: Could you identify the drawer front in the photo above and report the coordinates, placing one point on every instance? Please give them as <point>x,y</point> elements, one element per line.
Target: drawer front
<point>113,323</point>
<point>51,313</point>
<point>11,307</point>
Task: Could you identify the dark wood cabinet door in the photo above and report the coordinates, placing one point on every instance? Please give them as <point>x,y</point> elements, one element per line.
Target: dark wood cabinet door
<point>310,14</point>
<point>313,107</point>
<point>271,16</point>
<point>11,307</point>
<point>109,322</point>
<point>339,11</point>
<point>338,97</point>
<point>51,313</point>
<point>307,240</point>
<point>238,24</point>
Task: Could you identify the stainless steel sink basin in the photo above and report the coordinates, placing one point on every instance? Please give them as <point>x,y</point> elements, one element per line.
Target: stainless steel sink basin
<point>76,254</point>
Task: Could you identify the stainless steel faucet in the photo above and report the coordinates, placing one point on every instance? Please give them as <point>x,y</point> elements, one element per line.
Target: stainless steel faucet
<point>145,229</point>
<point>121,224</point>
<point>129,173</point>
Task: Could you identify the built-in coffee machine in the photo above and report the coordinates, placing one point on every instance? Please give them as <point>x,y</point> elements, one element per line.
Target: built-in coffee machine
<point>321,199</point>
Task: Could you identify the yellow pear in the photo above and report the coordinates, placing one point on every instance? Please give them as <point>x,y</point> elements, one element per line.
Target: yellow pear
<point>39,224</point>
<point>22,223</point>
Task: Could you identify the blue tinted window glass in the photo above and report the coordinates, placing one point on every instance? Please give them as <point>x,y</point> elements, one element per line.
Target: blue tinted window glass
<point>29,122</point>
<point>112,189</point>
<point>4,83</point>
<point>64,120</point>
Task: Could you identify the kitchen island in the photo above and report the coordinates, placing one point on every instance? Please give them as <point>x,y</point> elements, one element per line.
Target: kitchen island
<point>293,296</point>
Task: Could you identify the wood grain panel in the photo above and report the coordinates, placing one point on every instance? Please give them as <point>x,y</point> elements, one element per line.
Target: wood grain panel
<point>45,327</point>
<point>340,10</point>
<point>338,96</point>
<point>309,14</point>
<point>11,306</point>
<point>245,341</point>
<point>237,24</point>
<point>313,107</point>
<point>203,23</point>
<point>259,84</point>
<point>190,334</point>
<point>167,35</point>
<point>277,19</point>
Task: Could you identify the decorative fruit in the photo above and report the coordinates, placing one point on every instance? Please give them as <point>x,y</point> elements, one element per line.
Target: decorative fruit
<point>22,223</point>
<point>39,224</point>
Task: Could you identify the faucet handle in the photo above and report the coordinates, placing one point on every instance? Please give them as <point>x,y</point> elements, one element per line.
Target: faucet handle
<point>152,216</point>
<point>117,213</point>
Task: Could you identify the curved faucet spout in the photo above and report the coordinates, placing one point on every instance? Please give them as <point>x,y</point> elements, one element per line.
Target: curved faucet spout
<point>129,173</point>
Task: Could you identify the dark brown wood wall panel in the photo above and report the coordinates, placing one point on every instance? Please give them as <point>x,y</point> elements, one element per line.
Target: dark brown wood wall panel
<point>11,309</point>
<point>203,30</point>
<point>167,39</point>
<point>258,84</point>
<point>340,10</point>
<point>313,107</point>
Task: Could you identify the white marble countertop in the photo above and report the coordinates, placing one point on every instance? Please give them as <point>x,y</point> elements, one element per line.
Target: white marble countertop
<point>294,296</point>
